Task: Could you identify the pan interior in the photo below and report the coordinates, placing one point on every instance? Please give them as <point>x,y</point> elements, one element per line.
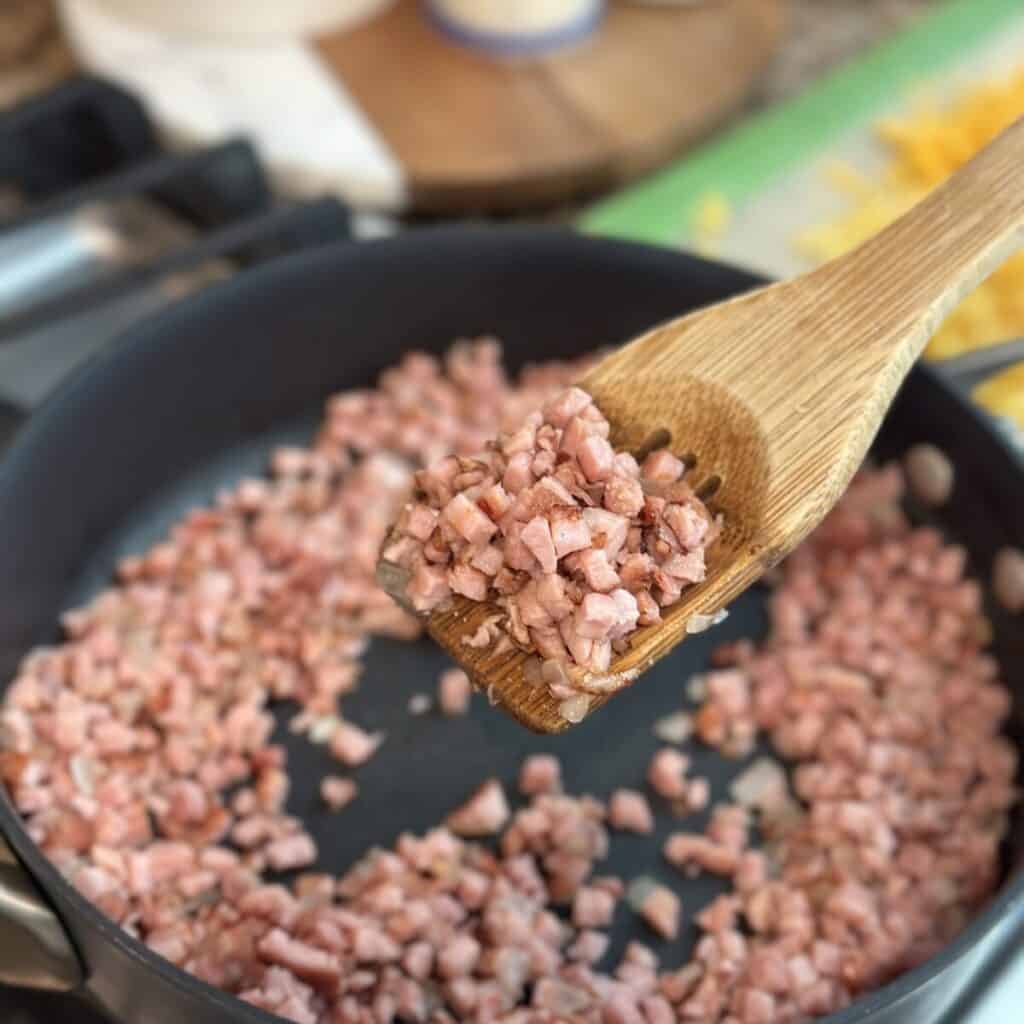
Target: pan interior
<point>226,399</point>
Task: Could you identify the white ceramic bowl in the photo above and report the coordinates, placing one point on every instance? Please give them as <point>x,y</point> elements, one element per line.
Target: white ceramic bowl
<point>245,19</point>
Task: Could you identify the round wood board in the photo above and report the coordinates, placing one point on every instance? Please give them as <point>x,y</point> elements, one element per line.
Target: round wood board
<point>394,116</point>
<point>474,133</point>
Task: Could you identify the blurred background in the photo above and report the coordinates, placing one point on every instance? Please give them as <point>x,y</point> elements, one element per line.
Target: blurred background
<point>148,150</point>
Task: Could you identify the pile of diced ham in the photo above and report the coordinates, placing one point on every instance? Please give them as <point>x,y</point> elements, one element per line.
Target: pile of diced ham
<point>578,544</point>
<point>139,754</point>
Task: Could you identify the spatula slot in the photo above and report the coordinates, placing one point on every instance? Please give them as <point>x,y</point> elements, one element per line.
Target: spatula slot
<point>660,438</point>
<point>708,488</point>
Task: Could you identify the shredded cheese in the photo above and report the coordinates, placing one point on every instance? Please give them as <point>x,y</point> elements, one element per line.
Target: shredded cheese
<point>1003,394</point>
<point>711,221</point>
<point>924,147</point>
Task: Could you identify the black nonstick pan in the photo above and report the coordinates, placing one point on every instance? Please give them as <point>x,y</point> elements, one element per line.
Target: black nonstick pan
<point>196,397</point>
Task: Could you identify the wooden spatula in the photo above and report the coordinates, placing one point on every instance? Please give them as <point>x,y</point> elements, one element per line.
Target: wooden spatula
<point>778,393</point>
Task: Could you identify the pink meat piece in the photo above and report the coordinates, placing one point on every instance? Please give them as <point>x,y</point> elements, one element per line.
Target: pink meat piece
<point>689,567</point>
<point>536,536</point>
<point>551,593</point>
<point>596,458</point>
<point>518,473</point>
<point>483,814</point>
<point>540,773</point>
<point>296,851</point>
<point>305,961</point>
<point>428,587</point>
<point>418,960</point>
<point>517,555</point>
<point>682,850</point>
<point>531,611</point>
<point>607,529</point>
<point>596,616</point>
<point>524,439</point>
<point>470,522</point>
<point>597,570</point>
<point>546,494</point>
<point>636,571</point>
<point>629,811</point>
<point>649,611</point>
<point>495,501</point>
<point>560,409</point>
<point>687,523</point>
<point>666,774</point>
<point>661,910</point>
<point>419,520</point>
<point>337,792</point>
<point>354,746</point>
<point>588,947</point>
<point>488,559</point>
<point>470,582</point>
<point>662,467</point>
<point>624,496</point>
<point>627,613</point>
<point>454,692</point>
<point>592,908</point>
<point>549,644</point>
<point>569,530</point>
<point>458,957</point>
<point>576,431</point>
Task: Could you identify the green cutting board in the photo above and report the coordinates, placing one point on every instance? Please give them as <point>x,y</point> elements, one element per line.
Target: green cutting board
<point>770,169</point>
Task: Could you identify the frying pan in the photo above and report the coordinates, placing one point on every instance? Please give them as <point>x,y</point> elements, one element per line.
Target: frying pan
<point>195,398</point>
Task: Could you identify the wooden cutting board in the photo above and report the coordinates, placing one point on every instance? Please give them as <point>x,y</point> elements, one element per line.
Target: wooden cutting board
<point>393,115</point>
<point>475,133</point>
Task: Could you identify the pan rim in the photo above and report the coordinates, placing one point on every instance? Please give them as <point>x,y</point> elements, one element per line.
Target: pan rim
<point>1004,910</point>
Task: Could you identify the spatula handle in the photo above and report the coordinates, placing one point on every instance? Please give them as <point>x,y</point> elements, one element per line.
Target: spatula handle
<point>912,274</point>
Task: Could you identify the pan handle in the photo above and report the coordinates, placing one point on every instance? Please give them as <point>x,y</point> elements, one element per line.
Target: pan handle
<point>35,951</point>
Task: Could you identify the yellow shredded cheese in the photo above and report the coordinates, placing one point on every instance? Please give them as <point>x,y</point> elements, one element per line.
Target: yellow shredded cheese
<point>711,221</point>
<point>1003,394</point>
<point>923,148</point>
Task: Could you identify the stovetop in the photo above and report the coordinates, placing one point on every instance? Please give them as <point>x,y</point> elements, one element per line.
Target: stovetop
<point>184,222</point>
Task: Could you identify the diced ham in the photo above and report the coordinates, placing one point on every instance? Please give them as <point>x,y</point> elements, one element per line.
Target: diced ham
<point>518,473</point>
<point>661,911</point>
<point>454,692</point>
<point>551,593</point>
<point>666,773</point>
<point>419,520</point>
<point>596,616</point>
<point>687,523</point>
<point>592,908</point>
<point>337,792</point>
<point>596,458</point>
<point>662,467</point>
<point>467,518</point>
<point>489,559</point>
<point>624,496</point>
<point>428,587</point>
<point>483,814</point>
<point>560,409</point>
<point>495,501</point>
<point>569,529</point>
<point>536,535</point>
<point>597,570</point>
<point>354,746</point>
<point>540,773</point>
<point>470,582</point>
<point>288,852</point>
<point>140,744</point>
<point>629,811</point>
<point>313,965</point>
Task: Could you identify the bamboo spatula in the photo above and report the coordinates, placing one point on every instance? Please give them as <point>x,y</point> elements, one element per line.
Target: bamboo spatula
<point>779,394</point>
